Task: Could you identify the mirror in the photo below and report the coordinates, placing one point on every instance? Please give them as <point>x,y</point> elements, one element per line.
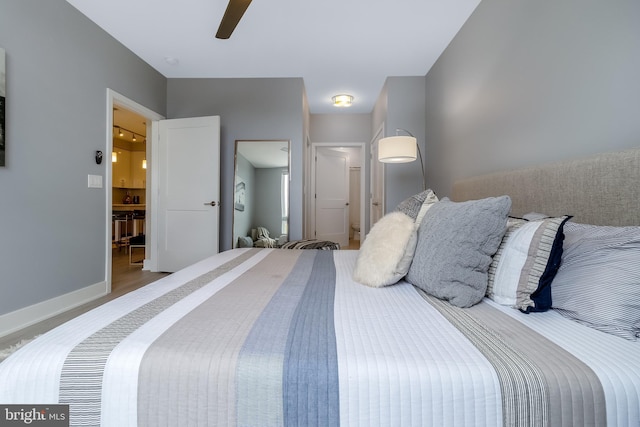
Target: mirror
<point>261,193</point>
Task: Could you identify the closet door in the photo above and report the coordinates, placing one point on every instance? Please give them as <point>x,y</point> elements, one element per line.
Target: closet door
<point>188,191</point>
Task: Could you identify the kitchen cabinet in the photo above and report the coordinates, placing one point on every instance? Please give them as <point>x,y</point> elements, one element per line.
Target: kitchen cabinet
<point>128,171</point>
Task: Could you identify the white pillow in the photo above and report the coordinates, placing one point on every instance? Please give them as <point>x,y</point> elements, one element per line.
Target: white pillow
<point>509,269</point>
<point>387,252</point>
<point>526,262</point>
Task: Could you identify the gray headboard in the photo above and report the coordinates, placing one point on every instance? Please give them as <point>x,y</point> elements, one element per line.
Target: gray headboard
<point>603,189</point>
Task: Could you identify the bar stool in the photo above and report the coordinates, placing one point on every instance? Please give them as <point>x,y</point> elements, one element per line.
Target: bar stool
<point>137,242</point>
<point>121,237</point>
<point>138,219</point>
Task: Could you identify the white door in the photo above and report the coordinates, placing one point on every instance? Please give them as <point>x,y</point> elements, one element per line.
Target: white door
<point>376,209</point>
<point>188,191</point>
<point>332,196</point>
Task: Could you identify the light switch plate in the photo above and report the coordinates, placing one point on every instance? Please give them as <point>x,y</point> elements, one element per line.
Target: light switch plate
<point>95,181</point>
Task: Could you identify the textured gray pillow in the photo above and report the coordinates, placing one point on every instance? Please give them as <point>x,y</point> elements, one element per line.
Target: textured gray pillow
<point>455,244</point>
<point>417,205</point>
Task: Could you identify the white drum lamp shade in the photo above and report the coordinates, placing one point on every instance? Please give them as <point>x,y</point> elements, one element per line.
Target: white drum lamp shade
<point>397,149</point>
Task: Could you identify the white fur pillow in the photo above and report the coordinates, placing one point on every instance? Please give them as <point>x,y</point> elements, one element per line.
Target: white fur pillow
<point>387,252</point>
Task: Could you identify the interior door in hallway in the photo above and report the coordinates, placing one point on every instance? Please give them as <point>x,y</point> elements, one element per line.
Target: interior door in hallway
<point>188,191</point>
<point>332,196</point>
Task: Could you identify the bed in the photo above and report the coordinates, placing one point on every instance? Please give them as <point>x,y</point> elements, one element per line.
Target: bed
<point>261,337</point>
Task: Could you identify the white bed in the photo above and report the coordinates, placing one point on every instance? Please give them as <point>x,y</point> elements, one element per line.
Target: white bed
<point>262,337</point>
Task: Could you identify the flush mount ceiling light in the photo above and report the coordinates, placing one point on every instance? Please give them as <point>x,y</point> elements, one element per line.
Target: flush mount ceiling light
<point>342,100</point>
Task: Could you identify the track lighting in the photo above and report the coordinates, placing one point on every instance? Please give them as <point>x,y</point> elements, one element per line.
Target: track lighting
<point>134,135</point>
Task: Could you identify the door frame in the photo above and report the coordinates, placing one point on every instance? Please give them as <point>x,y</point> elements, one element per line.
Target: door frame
<point>115,99</point>
<point>312,185</point>
<point>380,167</point>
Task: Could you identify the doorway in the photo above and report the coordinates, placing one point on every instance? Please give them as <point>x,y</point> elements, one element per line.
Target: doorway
<point>128,195</point>
<point>346,217</point>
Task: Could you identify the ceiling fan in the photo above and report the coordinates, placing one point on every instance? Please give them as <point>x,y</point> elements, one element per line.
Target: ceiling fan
<point>235,10</point>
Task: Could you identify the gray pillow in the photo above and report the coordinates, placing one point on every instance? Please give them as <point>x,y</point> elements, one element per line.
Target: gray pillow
<point>245,242</point>
<point>598,283</point>
<point>417,205</point>
<point>455,244</point>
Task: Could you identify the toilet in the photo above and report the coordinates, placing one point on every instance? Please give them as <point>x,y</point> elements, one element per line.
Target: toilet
<point>356,231</point>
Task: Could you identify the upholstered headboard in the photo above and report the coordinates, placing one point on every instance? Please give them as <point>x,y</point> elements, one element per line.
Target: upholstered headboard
<point>603,189</point>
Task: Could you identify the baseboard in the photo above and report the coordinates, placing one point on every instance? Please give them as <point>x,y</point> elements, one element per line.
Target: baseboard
<point>16,320</point>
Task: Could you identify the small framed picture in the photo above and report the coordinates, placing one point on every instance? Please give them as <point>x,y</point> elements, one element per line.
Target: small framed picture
<point>3,99</point>
<point>239,195</point>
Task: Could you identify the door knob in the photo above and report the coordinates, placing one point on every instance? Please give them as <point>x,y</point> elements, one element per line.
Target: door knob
<point>210,204</point>
<point>346,204</point>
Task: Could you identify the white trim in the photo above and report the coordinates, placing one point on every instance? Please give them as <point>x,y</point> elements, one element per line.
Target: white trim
<point>373,163</point>
<point>312,182</point>
<point>116,99</point>
<point>27,316</point>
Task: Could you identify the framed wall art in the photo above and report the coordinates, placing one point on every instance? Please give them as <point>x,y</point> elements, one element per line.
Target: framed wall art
<point>239,196</point>
<point>3,98</point>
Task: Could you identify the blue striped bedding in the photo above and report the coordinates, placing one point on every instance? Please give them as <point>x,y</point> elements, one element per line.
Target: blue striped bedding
<point>268,337</point>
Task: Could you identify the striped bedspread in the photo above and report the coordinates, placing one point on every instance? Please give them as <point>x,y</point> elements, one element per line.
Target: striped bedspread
<point>268,337</point>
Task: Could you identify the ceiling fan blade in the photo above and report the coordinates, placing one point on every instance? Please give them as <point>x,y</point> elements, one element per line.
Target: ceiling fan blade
<point>235,10</point>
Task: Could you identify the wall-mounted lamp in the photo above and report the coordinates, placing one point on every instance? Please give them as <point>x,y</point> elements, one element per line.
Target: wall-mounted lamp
<point>342,100</point>
<point>114,157</point>
<point>144,163</point>
<point>98,157</point>
<point>401,149</point>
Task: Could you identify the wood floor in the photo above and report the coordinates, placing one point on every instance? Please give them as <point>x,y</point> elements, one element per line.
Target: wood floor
<point>353,244</point>
<point>125,278</point>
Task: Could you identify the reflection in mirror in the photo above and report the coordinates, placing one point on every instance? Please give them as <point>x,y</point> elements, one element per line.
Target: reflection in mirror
<point>261,193</point>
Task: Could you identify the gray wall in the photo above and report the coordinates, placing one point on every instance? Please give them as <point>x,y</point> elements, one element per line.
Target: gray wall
<point>59,65</point>
<point>268,194</point>
<point>527,82</point>
<point>248,109</point>
<point>345,127</point>
<point>405,110</point>
<point>242,220</point>
<point>401,105</point>
<point>340,128</point>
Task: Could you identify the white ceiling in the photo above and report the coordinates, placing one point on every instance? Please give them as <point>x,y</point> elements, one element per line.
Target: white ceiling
<point>336,46</point>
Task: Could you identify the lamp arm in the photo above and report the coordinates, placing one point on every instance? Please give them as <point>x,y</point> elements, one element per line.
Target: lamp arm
<point>424,178</point>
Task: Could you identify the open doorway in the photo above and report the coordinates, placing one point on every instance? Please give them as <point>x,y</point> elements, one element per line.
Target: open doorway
<point>128,196</point>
